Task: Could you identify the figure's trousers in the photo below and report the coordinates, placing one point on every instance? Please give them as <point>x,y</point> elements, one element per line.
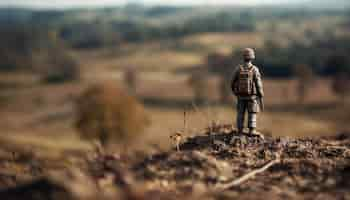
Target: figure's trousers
<point>251,107</point>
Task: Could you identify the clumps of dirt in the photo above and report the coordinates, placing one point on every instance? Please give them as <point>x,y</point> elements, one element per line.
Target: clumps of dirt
<point>222,164</point>
<point>178,167</point>
<point>306,167</point>
<point>18,167</point>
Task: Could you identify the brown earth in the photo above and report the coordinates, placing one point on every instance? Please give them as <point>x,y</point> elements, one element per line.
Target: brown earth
<point>314,168</point>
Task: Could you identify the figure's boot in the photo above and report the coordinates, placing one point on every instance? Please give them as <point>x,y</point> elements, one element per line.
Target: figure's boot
<point>252,124</point>
<point>252,131</point>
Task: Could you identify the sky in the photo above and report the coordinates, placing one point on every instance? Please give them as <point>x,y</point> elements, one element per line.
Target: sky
<point>92,3</point>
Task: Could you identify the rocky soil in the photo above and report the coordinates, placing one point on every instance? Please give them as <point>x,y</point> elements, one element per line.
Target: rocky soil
<point>217,164</point>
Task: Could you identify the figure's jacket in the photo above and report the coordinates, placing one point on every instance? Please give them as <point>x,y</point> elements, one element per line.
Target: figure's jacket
<point>257,82</point>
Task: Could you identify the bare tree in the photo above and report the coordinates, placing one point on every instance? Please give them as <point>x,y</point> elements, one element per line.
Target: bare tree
<point>339,66</point>
<point>341,85</point>
<point>305,78</point>
<point>130,79</point>
<point>225,89</point>
<point>221,64</point>
<point>199,84</point>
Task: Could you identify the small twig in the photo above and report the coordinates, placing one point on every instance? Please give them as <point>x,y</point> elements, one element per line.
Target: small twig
<point>247,176</point>
<point>202,114</point>
<point>185,122</point>
<point>98,147</point>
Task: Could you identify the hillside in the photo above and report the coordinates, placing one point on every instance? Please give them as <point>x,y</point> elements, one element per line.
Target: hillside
<point>218,164</point>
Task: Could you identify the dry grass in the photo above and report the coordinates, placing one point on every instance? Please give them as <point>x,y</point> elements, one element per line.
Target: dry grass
<point>45,146</point>
<point>165,57</point>
<point>224,42</point>
<point>277,124</point>
<point>159,61</point>
<point>55,114</point>
<point>61,135</point>
<point>146,58</point>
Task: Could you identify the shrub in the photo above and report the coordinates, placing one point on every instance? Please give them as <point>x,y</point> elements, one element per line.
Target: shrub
<point>108,114</point>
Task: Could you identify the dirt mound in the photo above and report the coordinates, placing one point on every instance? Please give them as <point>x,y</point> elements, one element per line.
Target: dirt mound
<point>221,164</point>
<point>306,167</point>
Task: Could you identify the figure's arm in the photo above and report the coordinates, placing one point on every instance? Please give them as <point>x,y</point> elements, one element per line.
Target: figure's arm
<point>259,83</point>
<point>234,79</point>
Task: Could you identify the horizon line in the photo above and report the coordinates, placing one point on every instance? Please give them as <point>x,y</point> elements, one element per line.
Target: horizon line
<point>149,4</point>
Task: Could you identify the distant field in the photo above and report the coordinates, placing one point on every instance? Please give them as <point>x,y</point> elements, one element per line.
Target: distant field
<point>48,111</point>
<point>167,55</point>
<point>224,42</point>
<point>145,60</point>
<point>165,85</point>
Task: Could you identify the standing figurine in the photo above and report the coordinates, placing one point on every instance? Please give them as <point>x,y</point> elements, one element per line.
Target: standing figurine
<point>247,86</point>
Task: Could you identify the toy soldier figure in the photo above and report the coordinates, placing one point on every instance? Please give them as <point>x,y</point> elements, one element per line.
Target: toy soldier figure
<point>247,86</point>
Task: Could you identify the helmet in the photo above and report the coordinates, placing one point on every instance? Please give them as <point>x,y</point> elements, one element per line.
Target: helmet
<point>249,53</point>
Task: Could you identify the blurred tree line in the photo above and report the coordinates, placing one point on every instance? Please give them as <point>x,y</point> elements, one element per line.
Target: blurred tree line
<point>134,23</point>
<point>96,28</point>
<point>32,37</point>
<point>100,33</point>
<point>34,49</point>
<point>327,57</point>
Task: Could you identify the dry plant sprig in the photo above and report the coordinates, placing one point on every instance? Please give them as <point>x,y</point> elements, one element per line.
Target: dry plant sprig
<point>185,122</point>
<point>177,138</point>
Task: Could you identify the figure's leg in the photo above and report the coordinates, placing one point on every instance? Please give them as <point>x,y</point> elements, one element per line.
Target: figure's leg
<point>240,115</point>
<point>252,116</point>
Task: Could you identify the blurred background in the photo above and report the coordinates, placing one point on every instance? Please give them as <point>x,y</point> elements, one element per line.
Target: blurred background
<point>135,72</point>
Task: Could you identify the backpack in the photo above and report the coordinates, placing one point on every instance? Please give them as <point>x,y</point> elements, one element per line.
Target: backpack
<point>245,82</point>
